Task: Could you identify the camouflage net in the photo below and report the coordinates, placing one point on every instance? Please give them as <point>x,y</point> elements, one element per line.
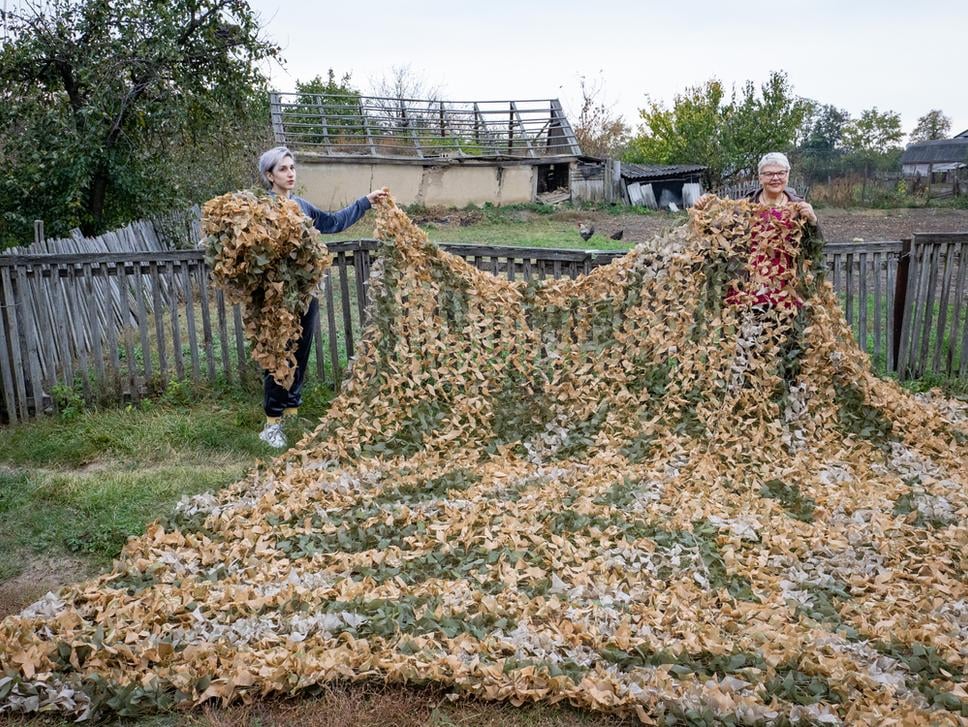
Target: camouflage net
<point>265,254</point>
<point>639,491</point>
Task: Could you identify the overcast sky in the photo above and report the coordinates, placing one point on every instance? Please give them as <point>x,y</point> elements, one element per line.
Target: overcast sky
<point>900,56</point>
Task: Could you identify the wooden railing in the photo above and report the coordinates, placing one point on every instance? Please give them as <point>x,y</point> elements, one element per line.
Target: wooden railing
<point>121,324</point>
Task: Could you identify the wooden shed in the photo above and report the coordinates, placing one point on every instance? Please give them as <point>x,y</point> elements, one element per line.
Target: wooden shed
<point>660,185</point>
<point>941,157</point>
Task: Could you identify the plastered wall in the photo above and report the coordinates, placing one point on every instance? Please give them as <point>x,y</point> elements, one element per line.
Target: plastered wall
<point>333,185</point>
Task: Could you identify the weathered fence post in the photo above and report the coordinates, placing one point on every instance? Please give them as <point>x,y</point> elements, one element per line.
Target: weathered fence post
<point>38,232</point>
<point>900,302</point>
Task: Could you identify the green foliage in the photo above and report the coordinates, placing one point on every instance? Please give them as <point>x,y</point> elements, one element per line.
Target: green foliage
<point>874,132</point>
<point>726,135</point>
<point>336,101</point>
<point>68,401</point>
<point>933,125</point>
<point>119,110</point>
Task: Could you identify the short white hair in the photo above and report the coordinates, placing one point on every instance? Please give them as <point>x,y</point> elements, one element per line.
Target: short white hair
<point>270,160</point>
<point>774,157</point>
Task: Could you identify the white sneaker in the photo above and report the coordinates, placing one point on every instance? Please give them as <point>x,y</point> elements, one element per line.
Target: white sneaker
<point>272,435</point>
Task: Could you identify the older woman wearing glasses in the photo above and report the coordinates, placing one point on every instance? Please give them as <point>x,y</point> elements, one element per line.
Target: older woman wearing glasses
<point>774,173</point>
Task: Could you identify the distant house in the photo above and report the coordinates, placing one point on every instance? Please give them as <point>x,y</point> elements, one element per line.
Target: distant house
<point>938,159</point>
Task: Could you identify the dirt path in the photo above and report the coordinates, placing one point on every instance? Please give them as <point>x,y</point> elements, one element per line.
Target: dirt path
<point>41,573</point>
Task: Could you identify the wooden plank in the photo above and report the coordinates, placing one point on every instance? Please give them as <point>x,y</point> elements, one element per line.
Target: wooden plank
<point>28,323</point>
<point>320,357</point>
<point>526,268</point>
<point>20,343</point>
<point>510,270</point>
<point>186,284</point>
<point>862,301</point>
<point>111,327</point>
<point>919,283</point>
<point>177,358</point>
<point>11,361</point>
<point>959,297</point>
<point>921,254</point>
<point>126,330</point>
<point>101,257</point>
<point>891,264</point>
<point>62,332</point>
<point>50,358</point>
<point>467,251</point>
<point>841,248</point>
<point>205,303</point>
<point>344,295</point>
<point>331,326</point>
<point>366,128</point>
<point>929,294</point>
<point>524,131</point>
<point>275,114</point>
<point>367,260</point>
<point>849,287</point>
<point>946,275</point>
<point>963,365</point>
<point>359,271</point>
<point>159,314</point>
<point>95,326</point>
<point>905,289</point>
<point>239,340</point>
<point>223,334</point>
<point>836,263</point>
<point>139,292</point>
<point>877,264</point>
<point>81,333</point>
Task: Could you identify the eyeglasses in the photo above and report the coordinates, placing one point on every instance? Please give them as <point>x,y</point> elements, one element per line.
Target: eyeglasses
<point>773,175</point>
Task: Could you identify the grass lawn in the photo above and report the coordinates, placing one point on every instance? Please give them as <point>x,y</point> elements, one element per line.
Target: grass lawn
<point>529,225</point>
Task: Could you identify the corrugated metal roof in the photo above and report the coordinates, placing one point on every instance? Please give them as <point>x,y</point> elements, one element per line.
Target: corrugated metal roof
<point>942,150</point>
<point>635,172</point>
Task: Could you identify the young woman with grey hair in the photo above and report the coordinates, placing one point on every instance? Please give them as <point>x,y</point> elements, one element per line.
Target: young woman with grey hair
<point>277,170</point>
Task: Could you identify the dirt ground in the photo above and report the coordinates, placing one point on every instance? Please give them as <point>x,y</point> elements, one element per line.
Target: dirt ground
<point>41,573</point>
<point>838,225</point>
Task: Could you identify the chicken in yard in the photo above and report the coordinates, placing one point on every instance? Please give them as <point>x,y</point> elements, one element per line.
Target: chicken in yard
<point>617,235</point>
<point>585,231</point>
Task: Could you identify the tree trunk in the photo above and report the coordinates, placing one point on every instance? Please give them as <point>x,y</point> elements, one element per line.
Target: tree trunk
<point>97,192</point>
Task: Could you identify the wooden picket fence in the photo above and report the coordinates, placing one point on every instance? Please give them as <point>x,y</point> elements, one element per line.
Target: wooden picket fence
<point>122,324</point>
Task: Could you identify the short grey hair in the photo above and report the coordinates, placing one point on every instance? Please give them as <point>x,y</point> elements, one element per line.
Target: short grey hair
<point>269,160</point>
<point>774,157</point>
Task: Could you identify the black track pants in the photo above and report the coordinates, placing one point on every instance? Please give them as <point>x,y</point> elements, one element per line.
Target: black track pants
<point>276,398</point>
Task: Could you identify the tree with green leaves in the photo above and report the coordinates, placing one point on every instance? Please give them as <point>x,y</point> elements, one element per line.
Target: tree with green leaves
<point>874,140</point>
<point>114,109</point>
<point>820,149</point>
<point>932,126</point>
<point>330,107</point>
<point>727,135</point>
